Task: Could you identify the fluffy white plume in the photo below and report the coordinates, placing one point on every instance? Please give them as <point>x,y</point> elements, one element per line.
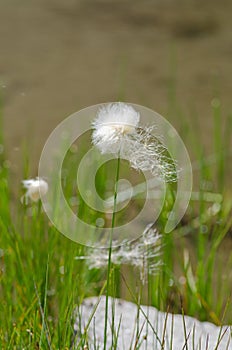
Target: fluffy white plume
<point>35,189</point>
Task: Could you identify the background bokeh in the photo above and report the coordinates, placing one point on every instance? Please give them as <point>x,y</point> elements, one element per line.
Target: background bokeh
<point>60,56</point>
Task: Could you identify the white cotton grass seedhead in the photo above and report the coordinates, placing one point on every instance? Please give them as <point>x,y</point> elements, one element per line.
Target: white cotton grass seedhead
<point>35,189</point>
<point>117,131</point>
<point>142,253</point>
<point>148,153</point>
<point>113,123</point>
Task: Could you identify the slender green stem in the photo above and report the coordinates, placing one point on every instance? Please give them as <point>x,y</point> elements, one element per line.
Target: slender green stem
<point>110,248</point>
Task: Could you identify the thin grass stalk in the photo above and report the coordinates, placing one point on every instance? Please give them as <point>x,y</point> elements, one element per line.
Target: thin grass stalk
<point>138,308</point>
<point>117,334</point>
<point>94,335</point>
<point>138,335</point>
<point>113,308</point>
<point>207,342</point>
<point>90,318</point>
<point>229,342</point>
<point>141,310</point>
<point>172,332</point>
<point>164,330</point>
<point>185,331</point>
<point>44,325</point>
<point>45,328</point>
<point>220,336</point>
<point>110,249</point>
<point>193,337</point>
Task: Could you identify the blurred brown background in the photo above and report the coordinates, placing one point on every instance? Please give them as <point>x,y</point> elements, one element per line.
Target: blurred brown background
<point>58,56</point>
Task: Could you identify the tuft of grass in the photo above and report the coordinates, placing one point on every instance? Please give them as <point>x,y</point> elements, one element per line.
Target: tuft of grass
<point>41,282</point>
